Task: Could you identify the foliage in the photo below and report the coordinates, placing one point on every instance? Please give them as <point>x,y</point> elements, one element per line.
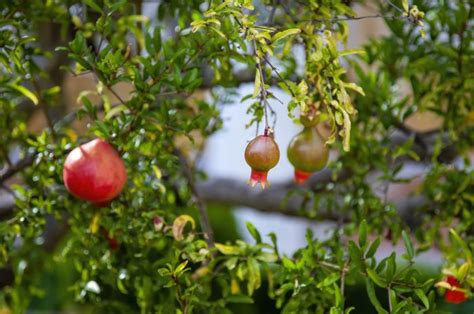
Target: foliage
<point>166,261</point>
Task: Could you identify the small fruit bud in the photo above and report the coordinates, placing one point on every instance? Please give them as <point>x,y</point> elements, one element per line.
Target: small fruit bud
<point>158,223</point>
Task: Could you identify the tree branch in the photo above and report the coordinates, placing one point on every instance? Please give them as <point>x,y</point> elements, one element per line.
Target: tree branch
<point>199,200</point>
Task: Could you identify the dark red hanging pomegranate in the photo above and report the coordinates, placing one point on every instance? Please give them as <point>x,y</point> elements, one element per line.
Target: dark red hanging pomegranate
<point>308,153</point>
<point>454,296</point>
<point>94,172</point>
<point>262,154</point>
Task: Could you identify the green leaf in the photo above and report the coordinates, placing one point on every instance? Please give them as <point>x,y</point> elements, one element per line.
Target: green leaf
<point>93,5</point>
<point>373,298</point>
<point>391,266</point>
<point>354,252</point>
<point>114,111</point>
<point>379,281</point>
<point>355,88</point>
<point>254,279</point>
<point>373,248</point>
<point>405,5</point>
<point>267,257</point>
<point>289,32</point>
<point>254,232</point>
<point>240,298</point>
<point>461,243</point>
<point>231,262</point>
<point>421,295</point>
<point>329,280</point>
<point>408,245</point>
<point>25,91</point>
<point>363,233</point>
<point>180,268</point>
<point>351,52</point>
<point>288,263</point>
<point>227,249</point>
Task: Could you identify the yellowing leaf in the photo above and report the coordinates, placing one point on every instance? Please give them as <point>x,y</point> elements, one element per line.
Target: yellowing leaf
<point>347,131</point>
<point>178,226</point>
<point>95,223</point>
<point>289,32</point>
<point>114,111</point>
<point>443,284</point>
<point>234,287</point>
<point>355,87</point>
<point>25,91</point>
<point>71,133</point>
<point>257,84</point>
<point>157,172</point>
<point>351,52</point>
<point>227,249</point>
<point>405,5</point>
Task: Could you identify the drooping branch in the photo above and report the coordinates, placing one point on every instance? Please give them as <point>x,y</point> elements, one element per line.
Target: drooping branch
<point>273,199</point>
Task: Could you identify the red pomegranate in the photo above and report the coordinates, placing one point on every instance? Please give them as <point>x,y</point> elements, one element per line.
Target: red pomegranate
<point>262,154</point>
<point>94,172</point>
<point>307,153</point>
<point>454,296</point>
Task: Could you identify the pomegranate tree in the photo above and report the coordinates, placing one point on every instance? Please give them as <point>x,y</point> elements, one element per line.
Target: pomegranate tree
<point>308,153</point>
<point>262,154</point>
<point>94,172</point>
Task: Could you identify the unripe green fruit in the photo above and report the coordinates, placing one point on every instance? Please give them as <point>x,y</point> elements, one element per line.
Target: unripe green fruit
<point>308,153</point>
<point>309,120</point>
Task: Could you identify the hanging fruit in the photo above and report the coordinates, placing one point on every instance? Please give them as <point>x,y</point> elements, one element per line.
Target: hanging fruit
<point>262,154</point>
<point>94,172</point>
<point>307,153</point>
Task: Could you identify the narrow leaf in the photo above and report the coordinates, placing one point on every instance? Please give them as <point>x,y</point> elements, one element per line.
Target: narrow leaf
<point>363,233</point>
<point>373,298</point>
<point>421,295</point>
<point>408,245</point>
<point>254,232</point>
<point>280,35</point>
<point>25,91</point>
<point>379,281</point>
<point>373,248</point>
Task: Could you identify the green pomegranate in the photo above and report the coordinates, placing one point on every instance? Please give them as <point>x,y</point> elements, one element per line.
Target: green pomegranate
<point>309,120</point>
<point>308,153</point>
<point>262,154</point>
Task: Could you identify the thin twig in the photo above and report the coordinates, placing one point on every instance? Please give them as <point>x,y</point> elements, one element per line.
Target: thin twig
<point>263,91</point>
<point>390,307</point>
<point>44,108</point>
<point>204,217</point>
<point>288,11</point>
<point>343,280</point>
<point>394,6</point>
<point>274,69</point>
<point>272,14</point>
<point>19,166</point>
<point>352,18</point>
